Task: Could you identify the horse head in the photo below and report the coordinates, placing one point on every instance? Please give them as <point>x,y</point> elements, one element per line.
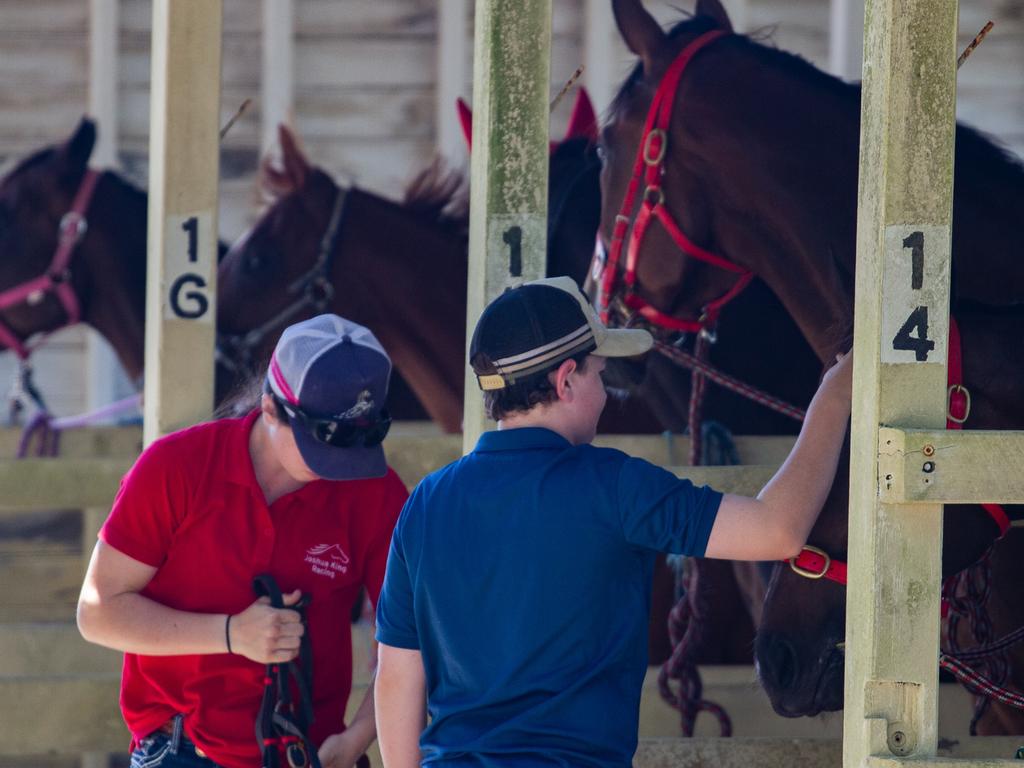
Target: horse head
<point>267,277</point>
<point>34,197</point>
<point>690,186</point>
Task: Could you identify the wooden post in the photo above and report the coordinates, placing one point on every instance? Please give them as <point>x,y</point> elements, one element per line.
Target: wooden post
<point>452,55</point>
<point>601,47</point>
<point>845,38</point>
<point>278,82</point>
<point>101,363</point>
<point>901,326</point>
<point>183,164</point>
<point>509,165</point>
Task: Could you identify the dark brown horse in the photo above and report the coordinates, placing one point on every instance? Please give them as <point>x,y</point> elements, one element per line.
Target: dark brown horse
<point>108,265</point>
<point>760,170</point>
<point>398,268</point>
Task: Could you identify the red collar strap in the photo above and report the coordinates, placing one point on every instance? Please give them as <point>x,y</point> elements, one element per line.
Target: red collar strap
<point>959,408</point>
<point>814,563</point>
<point>649,166</point>
<point>57,278</point>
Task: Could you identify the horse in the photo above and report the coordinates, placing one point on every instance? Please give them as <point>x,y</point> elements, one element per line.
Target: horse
<point>397,268</point>
<point>764,182</point>
<point>106,267</point>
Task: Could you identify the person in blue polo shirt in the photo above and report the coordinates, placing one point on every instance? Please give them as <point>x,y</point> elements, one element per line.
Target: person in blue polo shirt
<point>517,589</point>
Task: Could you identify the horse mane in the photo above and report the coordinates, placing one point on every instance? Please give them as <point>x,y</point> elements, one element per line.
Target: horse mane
<point>440,194</point>
<point>978,146</point>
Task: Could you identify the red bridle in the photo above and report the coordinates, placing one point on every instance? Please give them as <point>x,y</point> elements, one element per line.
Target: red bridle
<point>814,563</point>
<point>649,166</point>
<point>57,278</point>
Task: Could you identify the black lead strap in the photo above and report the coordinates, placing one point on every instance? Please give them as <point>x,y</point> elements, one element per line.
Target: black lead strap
<point>281,726</point>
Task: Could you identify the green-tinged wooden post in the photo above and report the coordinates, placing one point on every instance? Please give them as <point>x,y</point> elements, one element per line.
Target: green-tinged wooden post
<point>509,167</point>
<point>184,152</point>
<point>902,318</point>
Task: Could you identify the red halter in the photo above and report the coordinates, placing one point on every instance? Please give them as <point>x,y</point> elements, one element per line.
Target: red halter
<point>651,155</point>
<point>57,278</point>
<point>814,563</point>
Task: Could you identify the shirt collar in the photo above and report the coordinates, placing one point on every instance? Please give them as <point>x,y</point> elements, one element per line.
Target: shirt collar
<point>521,438</point>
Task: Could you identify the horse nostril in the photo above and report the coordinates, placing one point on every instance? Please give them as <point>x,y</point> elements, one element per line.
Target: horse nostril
<point>777,661</point>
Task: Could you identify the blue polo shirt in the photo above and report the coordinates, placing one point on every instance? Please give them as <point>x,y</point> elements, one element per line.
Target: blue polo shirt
<point>522,572</point>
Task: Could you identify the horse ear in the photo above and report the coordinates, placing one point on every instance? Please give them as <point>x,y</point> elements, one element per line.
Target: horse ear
<point>643,35</point>
<point>583,121</point>
<point>715,10</point>
<point>295,165</point>
<point>74,153</point>
<point>466,121</point>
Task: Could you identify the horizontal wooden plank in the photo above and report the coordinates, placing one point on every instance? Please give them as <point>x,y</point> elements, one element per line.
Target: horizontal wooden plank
<point>60,484</point>
<point>94,442</point>
<point>85,709</point>
<point>52,649</point>
<point>950,467</point>
<point>93,482</point>
<point>40,587</point>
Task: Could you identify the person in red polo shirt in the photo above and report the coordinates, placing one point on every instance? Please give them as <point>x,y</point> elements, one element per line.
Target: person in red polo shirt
<point>298,490</point>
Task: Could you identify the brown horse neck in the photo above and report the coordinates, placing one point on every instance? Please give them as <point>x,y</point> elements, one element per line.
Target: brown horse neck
<point>113,256</point>
<point>411,273</point>
<point>774,210</point>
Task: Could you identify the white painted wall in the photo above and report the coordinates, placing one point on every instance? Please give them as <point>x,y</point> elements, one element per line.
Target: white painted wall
<point>373,95</point>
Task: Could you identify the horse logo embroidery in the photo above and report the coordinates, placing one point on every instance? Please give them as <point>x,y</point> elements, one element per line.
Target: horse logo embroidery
<point>327,559</point>
<point>364,405</point>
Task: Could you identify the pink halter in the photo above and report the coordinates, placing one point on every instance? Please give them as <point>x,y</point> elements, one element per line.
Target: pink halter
<point>57,278</point>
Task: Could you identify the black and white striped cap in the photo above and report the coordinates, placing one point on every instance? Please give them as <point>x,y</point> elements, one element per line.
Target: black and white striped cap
<point>534,327</point>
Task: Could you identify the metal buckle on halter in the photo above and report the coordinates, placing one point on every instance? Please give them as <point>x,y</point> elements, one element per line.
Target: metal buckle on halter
<point>72,227</point>
<point>657,199</point>
<point>967,403</point>
<point>662,147</point>
<point>808,574</point>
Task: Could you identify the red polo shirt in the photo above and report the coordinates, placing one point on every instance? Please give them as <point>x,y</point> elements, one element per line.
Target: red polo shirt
<point>192,508</point>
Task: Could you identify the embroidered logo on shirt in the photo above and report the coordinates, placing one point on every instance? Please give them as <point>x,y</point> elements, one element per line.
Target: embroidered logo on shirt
<point>327,559</point>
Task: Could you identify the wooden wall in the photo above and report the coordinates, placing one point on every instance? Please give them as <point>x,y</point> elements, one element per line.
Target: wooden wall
<point>364,92</point>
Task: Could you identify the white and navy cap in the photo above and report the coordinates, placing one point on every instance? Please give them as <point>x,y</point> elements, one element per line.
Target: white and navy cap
<point>330,368</point>
<point>532,328</point>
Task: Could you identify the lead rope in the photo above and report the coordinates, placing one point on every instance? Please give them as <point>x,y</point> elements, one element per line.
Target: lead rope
<point>686,619</point>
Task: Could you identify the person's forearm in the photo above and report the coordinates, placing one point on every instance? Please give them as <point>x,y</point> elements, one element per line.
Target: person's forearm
<point>401,718</point>
<point>135,624</point>
<point>363,726</point>
<point>797,492</point>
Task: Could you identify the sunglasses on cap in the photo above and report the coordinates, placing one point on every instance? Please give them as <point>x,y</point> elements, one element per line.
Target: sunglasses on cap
<point>341,433</point>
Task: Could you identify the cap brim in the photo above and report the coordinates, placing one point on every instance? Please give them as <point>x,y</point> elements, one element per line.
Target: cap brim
<point>624,342</point>
<point>333,463</point>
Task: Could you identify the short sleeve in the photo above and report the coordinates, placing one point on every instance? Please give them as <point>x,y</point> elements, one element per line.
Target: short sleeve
<point>148,507</point>
<point>663,512</point>
<point>396,618</point>
<point>394,497</point>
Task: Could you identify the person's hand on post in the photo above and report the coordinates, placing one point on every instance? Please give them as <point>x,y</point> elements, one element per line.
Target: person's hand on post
<point>266,634</point>
<point>839,378</point>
